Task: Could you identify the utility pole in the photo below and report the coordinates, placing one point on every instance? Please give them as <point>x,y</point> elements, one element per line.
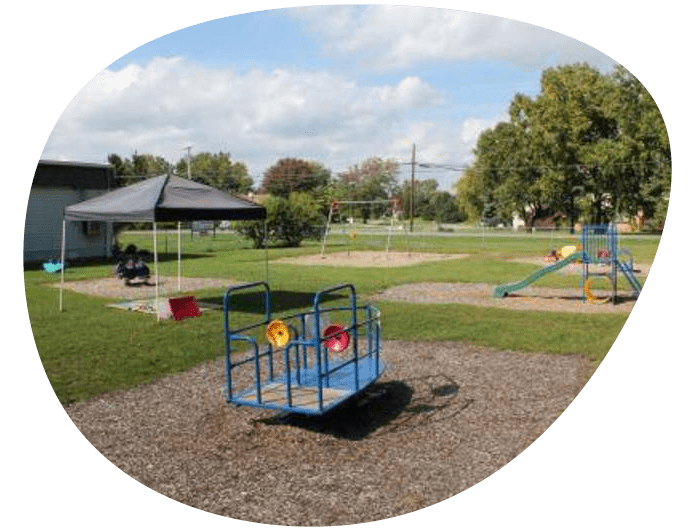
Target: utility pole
<point>411,189</point>
<point>188,148</point>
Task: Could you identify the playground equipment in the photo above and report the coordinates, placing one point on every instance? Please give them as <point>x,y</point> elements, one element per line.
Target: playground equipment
<point>277,333</point>
<point>599,247</point>
<point>336,207</point>
<point>336,338</point>
<point>132,269</point>
<point>52,266</point>
<point>587,290</point>
<point>302,367</point>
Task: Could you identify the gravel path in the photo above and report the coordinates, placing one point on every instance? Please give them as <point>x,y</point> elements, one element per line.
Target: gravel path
<point>442,418</point>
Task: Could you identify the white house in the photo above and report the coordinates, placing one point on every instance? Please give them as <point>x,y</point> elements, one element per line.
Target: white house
<point>518,222</point>
<point>56,185</point>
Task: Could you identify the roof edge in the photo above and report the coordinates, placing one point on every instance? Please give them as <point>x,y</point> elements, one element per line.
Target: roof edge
<point>51,162</point>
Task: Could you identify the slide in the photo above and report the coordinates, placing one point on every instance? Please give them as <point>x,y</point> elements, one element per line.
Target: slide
<point>632,279</point>
<point>504,290</point>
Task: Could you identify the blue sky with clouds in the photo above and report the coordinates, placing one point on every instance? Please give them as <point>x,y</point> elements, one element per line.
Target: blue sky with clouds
<point>336,84</point>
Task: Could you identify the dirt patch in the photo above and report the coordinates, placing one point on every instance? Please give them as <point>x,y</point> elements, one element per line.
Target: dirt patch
<point>442,418</point>
<point>114,288</point>
<point>531,298</point>
<point>368,259</point>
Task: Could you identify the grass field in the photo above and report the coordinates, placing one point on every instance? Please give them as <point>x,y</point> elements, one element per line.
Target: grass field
<point>91,349</point>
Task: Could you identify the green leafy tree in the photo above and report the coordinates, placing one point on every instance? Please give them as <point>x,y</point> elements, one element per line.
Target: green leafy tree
<point>446,208</point>
<point>646,158</point>
<point>470,193</point>
<point>289,221</point>
<point>294,175</point>
<point>613,137</point>
<point>424,193</point>
<point>374,179</point>
<point>590,146</point>
<point>217,170</point>
<point>141,166</point>
<point>486,190</point>
<point>569,119</point>
<point>519,188</point>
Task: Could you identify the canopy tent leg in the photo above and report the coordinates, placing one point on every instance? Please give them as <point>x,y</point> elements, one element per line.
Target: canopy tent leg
<point>62,268</point>
<point>156,276</point>
<point>179,256</point>
<point>266,255</point>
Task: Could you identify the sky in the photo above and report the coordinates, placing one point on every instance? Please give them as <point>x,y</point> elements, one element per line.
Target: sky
<point>332,84</point>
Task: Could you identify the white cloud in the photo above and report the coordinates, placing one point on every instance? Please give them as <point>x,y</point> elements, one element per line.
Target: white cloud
<point>393,37</point>
<point>261,116</point>
<point>473,127</point>
<point>257,116</point>
<point>438,143</point>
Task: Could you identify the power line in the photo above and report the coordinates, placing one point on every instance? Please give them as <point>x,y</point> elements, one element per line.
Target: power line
<point>583,166</point>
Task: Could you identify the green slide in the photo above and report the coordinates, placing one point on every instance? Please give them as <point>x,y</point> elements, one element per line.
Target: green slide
<point>504,290</point>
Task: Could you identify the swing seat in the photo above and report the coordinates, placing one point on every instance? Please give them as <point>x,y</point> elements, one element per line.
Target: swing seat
<point>52,266</point>
<point>131,271</point>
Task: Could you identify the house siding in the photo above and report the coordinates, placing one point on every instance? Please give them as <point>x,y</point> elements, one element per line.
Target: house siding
<point>44,215</point>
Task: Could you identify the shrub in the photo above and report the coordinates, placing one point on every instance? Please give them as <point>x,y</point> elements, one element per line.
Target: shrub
<point>289,221</point>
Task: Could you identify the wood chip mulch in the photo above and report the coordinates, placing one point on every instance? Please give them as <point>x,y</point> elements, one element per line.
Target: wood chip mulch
<point>442,418</point>
<point>530,298</point>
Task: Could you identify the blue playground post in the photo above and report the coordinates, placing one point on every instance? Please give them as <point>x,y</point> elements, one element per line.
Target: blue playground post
<point>600,246</point>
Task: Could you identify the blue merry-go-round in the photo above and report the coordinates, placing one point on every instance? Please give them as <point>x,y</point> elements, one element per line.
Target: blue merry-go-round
<point>308,362</point>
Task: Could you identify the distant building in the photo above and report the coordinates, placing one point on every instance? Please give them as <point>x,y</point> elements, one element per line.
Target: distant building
<point>56,185</point>
<point>518,222</point>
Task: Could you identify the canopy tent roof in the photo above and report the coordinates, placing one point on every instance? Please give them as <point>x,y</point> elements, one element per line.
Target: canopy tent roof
<point>165,199</point>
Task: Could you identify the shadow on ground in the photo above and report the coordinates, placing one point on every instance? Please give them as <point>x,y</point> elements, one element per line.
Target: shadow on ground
<point>393,405</point>
<point>280,301</point>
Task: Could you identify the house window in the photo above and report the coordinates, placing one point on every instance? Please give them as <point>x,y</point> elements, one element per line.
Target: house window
<point>91,228</point>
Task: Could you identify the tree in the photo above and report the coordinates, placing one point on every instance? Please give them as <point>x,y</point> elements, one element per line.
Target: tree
<point>590,146</point>
<point>570,118</point>
<point>501,180</point>
<point>289,221</point>
<point>217,170</point>
<point>141,166</point>
<point>470,193</point>
<point>518,186</point>
<point>424,192</point>
<point>619,147</point>
<point>374,179</point>
<point>446,208</point>
<point>648,156</point>
<point>294,175</point>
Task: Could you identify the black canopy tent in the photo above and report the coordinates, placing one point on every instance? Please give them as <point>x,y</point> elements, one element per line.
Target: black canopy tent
<point>165,198</point>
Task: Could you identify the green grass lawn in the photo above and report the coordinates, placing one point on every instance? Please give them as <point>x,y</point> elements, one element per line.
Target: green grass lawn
<point>91,349</point>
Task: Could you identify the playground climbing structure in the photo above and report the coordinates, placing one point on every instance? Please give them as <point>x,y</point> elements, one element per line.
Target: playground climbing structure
<point>601,247</point>
<point>600,255</point>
